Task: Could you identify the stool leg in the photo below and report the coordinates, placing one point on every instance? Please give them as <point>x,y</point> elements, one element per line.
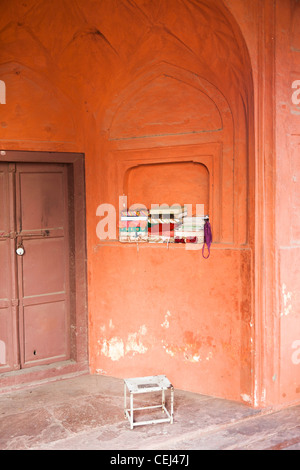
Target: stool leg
<point>131,411</point>
<point>125,401</point>
<point>172,404</point>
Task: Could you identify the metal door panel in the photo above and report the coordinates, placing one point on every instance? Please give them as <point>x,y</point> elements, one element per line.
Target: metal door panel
<point>43,270</point>
<point>6,343</point>
<point>43,266</point>
<point>45,332</point>
<point>4,269</point>
<point>34,288</point>
<point>4,337</point>
<point>9,352</point>
<point>41,198</point>
<point>3,199</point>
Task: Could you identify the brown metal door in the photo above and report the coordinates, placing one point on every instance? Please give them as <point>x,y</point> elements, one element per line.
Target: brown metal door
<point>9,357</point>
<point>36,259</point>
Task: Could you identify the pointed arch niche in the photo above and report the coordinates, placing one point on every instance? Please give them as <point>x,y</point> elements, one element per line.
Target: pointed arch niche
<point>170,131</point>
<point>170,118</point>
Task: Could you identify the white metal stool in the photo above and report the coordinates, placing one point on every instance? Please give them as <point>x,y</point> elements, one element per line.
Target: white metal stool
<point>152,383</point>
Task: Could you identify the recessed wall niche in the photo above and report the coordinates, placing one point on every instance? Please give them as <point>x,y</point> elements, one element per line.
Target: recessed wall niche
<point>168,183</point>
<point>174,175</point>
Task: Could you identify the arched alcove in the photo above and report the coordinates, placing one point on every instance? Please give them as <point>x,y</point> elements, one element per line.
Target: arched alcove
<point>166,105</point>
<point>193,121</point>
<point>176,124</point>
<point>150,184</point>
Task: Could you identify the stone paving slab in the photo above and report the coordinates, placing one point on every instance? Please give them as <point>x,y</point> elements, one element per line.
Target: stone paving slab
<point>86,413</point>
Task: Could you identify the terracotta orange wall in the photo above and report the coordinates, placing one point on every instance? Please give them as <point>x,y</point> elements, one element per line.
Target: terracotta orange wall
<point>158,309</point>
<point>288,198</point>
<point>278,374</point>
<point>134,88</point>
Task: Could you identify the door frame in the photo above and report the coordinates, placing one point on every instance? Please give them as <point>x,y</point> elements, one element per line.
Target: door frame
<point>78,363</point>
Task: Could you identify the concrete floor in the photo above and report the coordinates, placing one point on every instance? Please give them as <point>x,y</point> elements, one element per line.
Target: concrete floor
<point>86,413</point>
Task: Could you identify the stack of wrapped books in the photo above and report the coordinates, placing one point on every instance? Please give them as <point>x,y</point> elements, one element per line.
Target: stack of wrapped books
<point>133,226</point>
<point>191,230</point>
<point>163,222</point>
<point>161,225</point>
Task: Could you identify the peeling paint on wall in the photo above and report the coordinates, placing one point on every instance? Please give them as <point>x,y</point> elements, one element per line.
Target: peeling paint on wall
<point>169,351</point>
<point>116,348</point>
<point>101,372</point>
<point>190,350</point>
<point>195,358</point>
<point>166,323</point>
<point>246,398</point>
<point>287,306</point>
<point>143,330</point>
<point>134,344</point>
<point>2,352</point>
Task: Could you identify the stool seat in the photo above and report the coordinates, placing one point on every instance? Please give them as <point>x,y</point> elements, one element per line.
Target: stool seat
<point>152,383</point>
